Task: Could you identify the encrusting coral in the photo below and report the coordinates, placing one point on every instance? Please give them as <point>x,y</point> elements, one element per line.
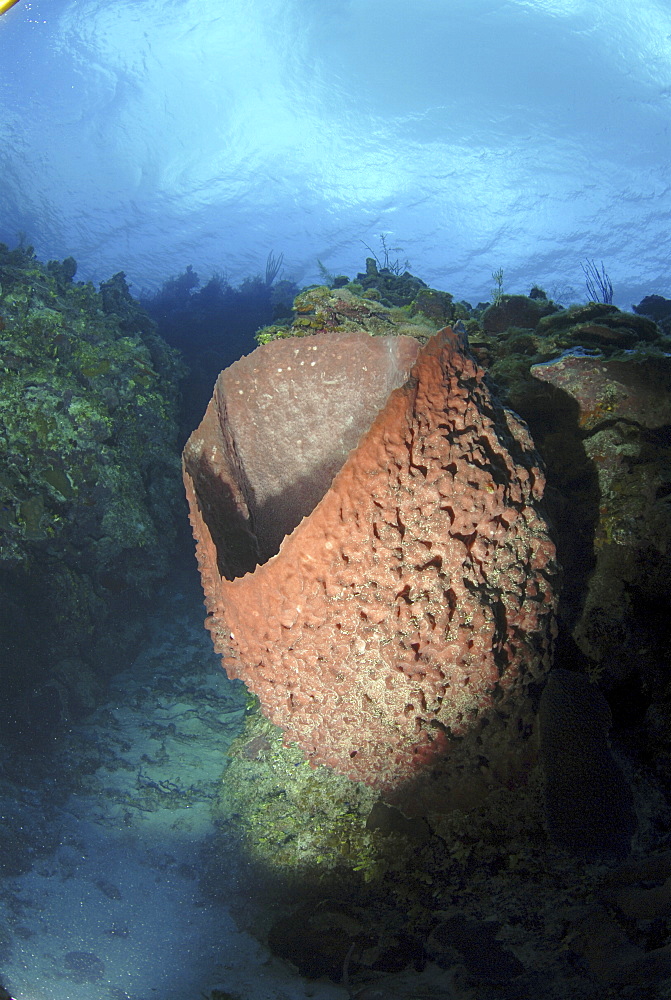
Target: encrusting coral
<point>87,410</point>
<point>89,478</point>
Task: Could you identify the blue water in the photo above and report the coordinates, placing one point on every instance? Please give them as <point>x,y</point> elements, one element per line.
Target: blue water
<point>527,135</point>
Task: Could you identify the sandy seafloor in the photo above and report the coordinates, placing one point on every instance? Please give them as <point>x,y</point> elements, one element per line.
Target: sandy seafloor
<point>113,907</point>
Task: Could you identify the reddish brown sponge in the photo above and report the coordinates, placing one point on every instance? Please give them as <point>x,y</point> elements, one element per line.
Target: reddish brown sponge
<point>417,590</point>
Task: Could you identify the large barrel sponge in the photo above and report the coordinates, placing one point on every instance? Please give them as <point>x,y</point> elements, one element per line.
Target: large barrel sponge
<point>414,591</point>
<point>588,802</point>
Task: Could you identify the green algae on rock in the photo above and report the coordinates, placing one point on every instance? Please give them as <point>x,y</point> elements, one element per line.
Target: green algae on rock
<point>87,416</point>
<point>299,819</point>
<point>322,309</point>
<point>89,475</point>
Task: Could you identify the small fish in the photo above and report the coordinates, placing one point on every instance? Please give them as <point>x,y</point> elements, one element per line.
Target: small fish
<point>6,4</point>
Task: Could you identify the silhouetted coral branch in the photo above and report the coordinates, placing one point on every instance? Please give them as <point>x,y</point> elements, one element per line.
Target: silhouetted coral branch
<point>273,265</point>
<point>599,287</point>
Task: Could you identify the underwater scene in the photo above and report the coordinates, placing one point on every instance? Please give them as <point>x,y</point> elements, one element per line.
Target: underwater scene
<point>335,500</point>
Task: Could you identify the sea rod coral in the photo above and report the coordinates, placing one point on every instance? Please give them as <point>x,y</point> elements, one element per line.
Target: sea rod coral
<point>381,608</point>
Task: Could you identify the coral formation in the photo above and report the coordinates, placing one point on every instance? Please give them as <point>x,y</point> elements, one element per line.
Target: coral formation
<point>519,311</point>
<point>89,495</point>
<point>418,592</point>
<point>350,309</point>
<point>500,863</point>
<point>379,301</point>
<point>301,819</point>
<point>634,390</point>
<point>621,412</point>
<point>87,403</point>
<point>656,308</point>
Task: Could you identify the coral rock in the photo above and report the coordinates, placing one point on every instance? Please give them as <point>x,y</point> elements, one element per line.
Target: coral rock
<point>621,411</point>
<point>515,310</point>
<point>636,391</point>
<point>398,599</point>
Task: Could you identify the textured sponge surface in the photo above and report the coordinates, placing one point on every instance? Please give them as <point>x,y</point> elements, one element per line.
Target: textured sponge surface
<point>415,595</point>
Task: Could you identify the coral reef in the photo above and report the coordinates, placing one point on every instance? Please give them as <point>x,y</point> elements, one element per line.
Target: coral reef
<point>620,419</point>
<point>631,389</point>
<point>418,592</point>
<point>89,497</point>
<point>87,402</point>
<point>379,301</point>
<point>321,309</point>
<point>519,311</point>
<point>354,890</point>
<point>301,819</point>
<point>656,308</point>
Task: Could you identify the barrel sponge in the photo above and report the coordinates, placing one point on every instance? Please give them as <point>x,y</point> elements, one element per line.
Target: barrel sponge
<point>588,801</point>
<point>375,563</point>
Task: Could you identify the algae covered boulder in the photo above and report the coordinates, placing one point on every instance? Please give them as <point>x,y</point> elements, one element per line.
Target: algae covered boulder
<point>381,302</point>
